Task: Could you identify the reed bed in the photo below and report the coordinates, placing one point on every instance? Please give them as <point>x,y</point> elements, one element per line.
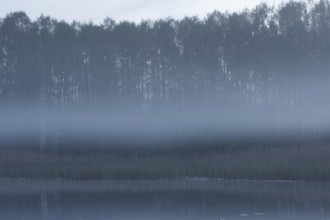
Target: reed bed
<point>308,162</point>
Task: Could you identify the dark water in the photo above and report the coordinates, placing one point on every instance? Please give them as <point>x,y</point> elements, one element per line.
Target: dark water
<point>166,199</point>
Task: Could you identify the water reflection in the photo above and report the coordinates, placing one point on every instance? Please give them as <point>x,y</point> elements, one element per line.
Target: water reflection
<point>166,199</point>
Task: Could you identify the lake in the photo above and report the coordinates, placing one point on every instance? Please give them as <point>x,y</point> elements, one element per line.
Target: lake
<point>188,199</point>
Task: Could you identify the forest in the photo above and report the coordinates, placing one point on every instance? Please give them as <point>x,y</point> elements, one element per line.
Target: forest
<point>260,56</point>
<point>236,74</point>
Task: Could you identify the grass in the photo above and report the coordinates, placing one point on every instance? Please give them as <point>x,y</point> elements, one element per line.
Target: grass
<point>293,162</point>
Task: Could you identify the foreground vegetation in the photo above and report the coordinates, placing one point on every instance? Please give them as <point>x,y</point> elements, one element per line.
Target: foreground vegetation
<point>303,162</point>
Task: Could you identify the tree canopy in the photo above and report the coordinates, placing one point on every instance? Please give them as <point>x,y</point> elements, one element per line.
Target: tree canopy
<point>253,55</point>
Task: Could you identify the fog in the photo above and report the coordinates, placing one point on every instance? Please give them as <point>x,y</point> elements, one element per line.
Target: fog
<point>162,123</point>
<point>220,117</point>
<point>257,73</point>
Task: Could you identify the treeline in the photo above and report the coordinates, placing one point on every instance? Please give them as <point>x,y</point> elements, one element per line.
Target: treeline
<point>258,56</point>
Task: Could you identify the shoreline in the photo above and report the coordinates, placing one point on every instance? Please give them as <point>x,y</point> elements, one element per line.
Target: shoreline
<point>261,189</point>
<point>184,179</point>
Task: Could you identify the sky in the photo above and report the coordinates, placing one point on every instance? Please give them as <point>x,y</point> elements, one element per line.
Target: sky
<point>131,10</point>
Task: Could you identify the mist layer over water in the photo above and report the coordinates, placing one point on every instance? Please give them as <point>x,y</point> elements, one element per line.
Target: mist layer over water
<point>165,122</point>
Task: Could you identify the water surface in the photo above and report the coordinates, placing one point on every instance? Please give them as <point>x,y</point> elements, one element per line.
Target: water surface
<point>163,199</point>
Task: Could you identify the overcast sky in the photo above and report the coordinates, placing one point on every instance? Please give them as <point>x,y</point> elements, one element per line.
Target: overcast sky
<point>133,10</point>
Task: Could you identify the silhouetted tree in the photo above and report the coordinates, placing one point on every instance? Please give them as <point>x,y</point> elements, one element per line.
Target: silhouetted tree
<point>255,56</point>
